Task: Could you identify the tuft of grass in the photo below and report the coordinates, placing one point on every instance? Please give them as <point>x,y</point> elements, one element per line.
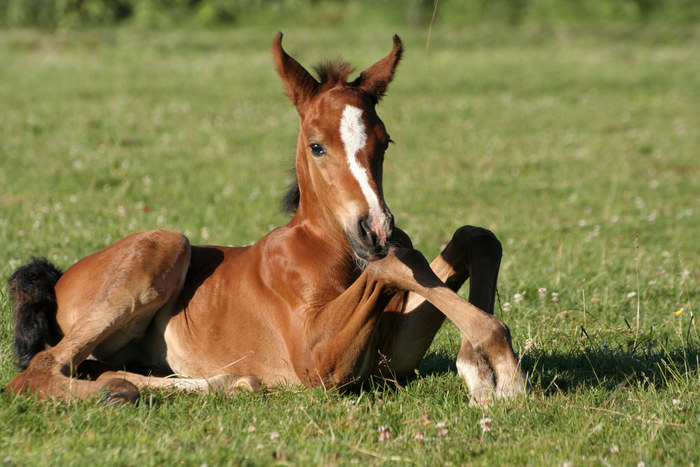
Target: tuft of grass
<point>576,145</point>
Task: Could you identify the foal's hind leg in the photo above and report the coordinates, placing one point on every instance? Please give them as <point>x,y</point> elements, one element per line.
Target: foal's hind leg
<point>104,300</point>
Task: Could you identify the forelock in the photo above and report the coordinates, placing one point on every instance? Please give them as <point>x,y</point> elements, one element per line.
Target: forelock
<point>333,73</point>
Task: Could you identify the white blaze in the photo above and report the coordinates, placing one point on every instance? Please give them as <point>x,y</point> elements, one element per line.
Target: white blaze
<point>352,132</point>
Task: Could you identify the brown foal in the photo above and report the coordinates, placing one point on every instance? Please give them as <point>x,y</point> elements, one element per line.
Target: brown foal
<point>336,295</point>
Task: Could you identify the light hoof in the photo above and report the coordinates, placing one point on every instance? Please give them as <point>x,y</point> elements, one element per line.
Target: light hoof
<point>479,380</point>
<point>482,398</point>
<point>234,385</point>
<point>247,384</point>
<point>512,386</point>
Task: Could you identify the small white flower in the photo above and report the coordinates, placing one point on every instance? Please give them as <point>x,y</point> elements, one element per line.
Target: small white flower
<point>485,424</point>
<point>518,297</point>
<point>542,291</point>
<point>274,436</point>
<point>529,344</point>
<point>630,295</point>
<point>384,433</point>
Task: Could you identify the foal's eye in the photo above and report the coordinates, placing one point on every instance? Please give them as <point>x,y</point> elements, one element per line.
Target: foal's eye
<point>317,149</point>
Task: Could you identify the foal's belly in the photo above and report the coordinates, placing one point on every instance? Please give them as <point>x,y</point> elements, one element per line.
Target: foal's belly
<point>224,326</point>
<point>215,348</point>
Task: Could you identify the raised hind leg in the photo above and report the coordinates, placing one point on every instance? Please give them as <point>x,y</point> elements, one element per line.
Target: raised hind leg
<point>473,253</point>
<point>105,301</point>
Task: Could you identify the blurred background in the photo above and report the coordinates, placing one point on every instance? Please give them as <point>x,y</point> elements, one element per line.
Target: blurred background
<point>51,14</point>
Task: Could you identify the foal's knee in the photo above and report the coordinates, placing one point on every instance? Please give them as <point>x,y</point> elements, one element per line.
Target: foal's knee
<point>477,240</point>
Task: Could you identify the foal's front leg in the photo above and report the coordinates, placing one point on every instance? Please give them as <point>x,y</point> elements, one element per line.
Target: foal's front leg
<point>486,339</point>
<point>473,253</point>
<point>340,341</point>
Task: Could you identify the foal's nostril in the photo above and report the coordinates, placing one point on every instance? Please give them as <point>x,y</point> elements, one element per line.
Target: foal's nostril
<point>365,231</point>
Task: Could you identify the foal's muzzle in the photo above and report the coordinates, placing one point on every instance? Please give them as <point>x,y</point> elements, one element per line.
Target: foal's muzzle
<point>369,237</point>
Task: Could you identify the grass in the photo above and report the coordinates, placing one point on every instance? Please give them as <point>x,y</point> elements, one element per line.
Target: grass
<point>577,146</point>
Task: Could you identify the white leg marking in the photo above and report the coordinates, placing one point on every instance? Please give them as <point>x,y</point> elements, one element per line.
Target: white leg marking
<point>510,380</point>
<point>354,136</point>
<point>480,385</point>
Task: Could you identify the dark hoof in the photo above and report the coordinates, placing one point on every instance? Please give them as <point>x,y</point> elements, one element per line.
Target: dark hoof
<point>119,392</point>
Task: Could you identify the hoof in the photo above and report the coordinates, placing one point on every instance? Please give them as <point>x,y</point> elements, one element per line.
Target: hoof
<point>483,401</point>
<point>512,385</point>
<point>247,384</point>
<point>232,385</point>
<point>119,392</point>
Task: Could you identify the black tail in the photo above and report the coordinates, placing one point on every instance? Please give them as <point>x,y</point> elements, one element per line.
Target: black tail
<point>34,305</point>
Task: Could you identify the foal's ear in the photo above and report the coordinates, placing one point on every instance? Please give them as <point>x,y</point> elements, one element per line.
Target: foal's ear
<point>299,85</point>
<point>375,79</point>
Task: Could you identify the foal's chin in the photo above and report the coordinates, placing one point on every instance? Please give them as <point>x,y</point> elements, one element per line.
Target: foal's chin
<point>364,254</point>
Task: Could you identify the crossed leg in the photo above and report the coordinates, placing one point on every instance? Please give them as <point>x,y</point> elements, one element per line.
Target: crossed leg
<point>473,253</point>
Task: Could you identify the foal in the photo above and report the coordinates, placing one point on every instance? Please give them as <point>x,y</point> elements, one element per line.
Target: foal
<point>334,296</point>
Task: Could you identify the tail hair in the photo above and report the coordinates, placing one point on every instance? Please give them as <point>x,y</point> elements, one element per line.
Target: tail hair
<point>34,307</point>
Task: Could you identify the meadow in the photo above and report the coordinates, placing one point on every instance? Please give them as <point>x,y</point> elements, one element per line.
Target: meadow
<point>577,145</point>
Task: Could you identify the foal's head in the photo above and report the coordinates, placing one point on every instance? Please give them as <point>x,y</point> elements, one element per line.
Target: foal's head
<point>341,147</point>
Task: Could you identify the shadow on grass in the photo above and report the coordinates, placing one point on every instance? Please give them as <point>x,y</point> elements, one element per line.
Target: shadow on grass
<point>608,369</point>
<point>586,368</point>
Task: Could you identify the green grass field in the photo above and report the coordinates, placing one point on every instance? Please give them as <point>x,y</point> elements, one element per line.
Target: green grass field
<point>577,146</point>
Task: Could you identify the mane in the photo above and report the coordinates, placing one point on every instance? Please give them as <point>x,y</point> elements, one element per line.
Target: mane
<point>290,201</point>
<point>329,74</point>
